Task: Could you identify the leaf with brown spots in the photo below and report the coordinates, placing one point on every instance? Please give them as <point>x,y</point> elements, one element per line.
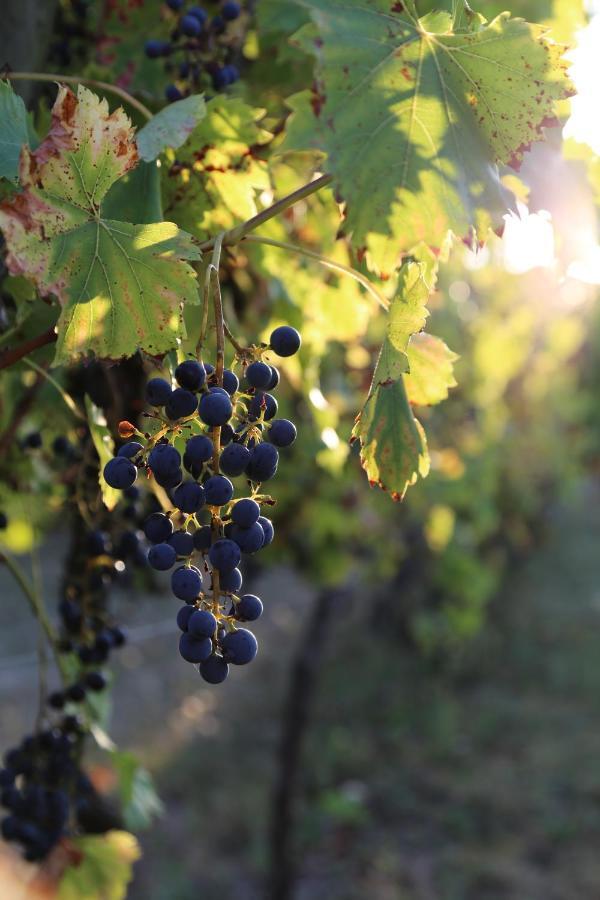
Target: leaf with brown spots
<point>121,286</point>
<point>415,116</point>
<point>393,444</point>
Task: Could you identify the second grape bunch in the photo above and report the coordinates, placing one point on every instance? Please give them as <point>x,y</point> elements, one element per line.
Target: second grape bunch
<point>230,431</point>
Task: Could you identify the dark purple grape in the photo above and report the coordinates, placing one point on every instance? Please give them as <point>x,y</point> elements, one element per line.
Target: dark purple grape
<point>282,432</point>
<point>245,512</point>
<point>285,340</point>
<point>239,647</point>
<point>249,608</point>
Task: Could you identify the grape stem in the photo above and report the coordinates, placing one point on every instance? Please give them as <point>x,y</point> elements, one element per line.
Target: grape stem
<point>212,281</point>
<point>77,79</point>
<point>328,263</point>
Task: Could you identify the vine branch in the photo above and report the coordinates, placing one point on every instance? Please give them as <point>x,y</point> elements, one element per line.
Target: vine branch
<point>10,357</point>
<point>235,235</point>
<point>77,79</point>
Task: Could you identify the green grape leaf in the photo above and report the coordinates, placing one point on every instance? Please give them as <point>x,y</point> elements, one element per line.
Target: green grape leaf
<point>139,799</point>
<point>104,869</point>
<point>414,117</point>
<point>431,372</point>
<point>171,127</point>
<point>136,196</point>
<point>103,443</point>
<point>393,444</point>
<point>15,131</point>
<point>121,286</point>
<point>126,24</point>
<point>212,183</point>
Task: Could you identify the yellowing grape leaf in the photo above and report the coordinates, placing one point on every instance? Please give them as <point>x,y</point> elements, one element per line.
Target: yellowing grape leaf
<point>211,184</point>
<point>414,117</point>
<point>121,286</point>
<point>393,444</point>
<point>105,869</point>
<point>431,370</point>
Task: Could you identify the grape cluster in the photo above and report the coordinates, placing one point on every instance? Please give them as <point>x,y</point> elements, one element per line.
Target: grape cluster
<point>229,431</point>
<point>199,50</point>
<point>42,786</point>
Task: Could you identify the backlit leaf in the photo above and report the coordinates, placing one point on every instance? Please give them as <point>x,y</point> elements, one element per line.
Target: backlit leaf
<point>414,117</point>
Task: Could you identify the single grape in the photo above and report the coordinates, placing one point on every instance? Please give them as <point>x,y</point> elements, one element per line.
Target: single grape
<point>198,449</point>
<point>230,582</point>
<point>215,407</point>
<point>184,69</point>
<point>164,460</point>
<point>130,450</point>
<point>190,375</point>
<point>262,403</point>
<point>219,78</point>
<point>214,669</point>
<point>56,700</point>
<point>198,13</point>
<point>202,624</point>
<point>162,557</point>
<point>119,473</point>
<point>239,647</point>
<point>75,693</point>
<point>189,497</point>
<point>267,527</point>
<point>231,382</point>
<point>193,650</point>
<point>191,25</point>
<point>230,10</point>
<point>285,341</point>
<point>218,490</point>
<point>181,404</point>
<point>249,608</point>
<point>227,435</point>
<point>258,374</point>
<point>234,460</point>
<point>184,615</point>
<point>175,4</point>
<point>245,512</point>
<point>173,94</point>
<point>158,391</point>
<point>182,542</point>
<point>232,73</point>
<point>202,538</point>
<point>249,540</point>
<point>275,376</point>
<point>62,446</point>
<point>96,681</point>
<point>158,528</point>
<point>170,481</point>
<point>153,49</point>
<point>98,542</point>
<point>224,554</point>
<point>186,582</point>
<point>282,432</point>
<point>263,463</point>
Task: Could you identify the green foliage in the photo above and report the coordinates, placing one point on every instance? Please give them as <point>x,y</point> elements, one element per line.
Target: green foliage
<point>15,132</point>
<point>104,445</point>
<point>212,183</point>
<point>121,286</point>
<point>140,802</point>
<point>171,127</point>
<point>413,116</point>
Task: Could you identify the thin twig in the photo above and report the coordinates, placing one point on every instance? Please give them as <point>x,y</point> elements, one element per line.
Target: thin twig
<point>328,263</point>
<point>235,235</point>
<point>77,79</point>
